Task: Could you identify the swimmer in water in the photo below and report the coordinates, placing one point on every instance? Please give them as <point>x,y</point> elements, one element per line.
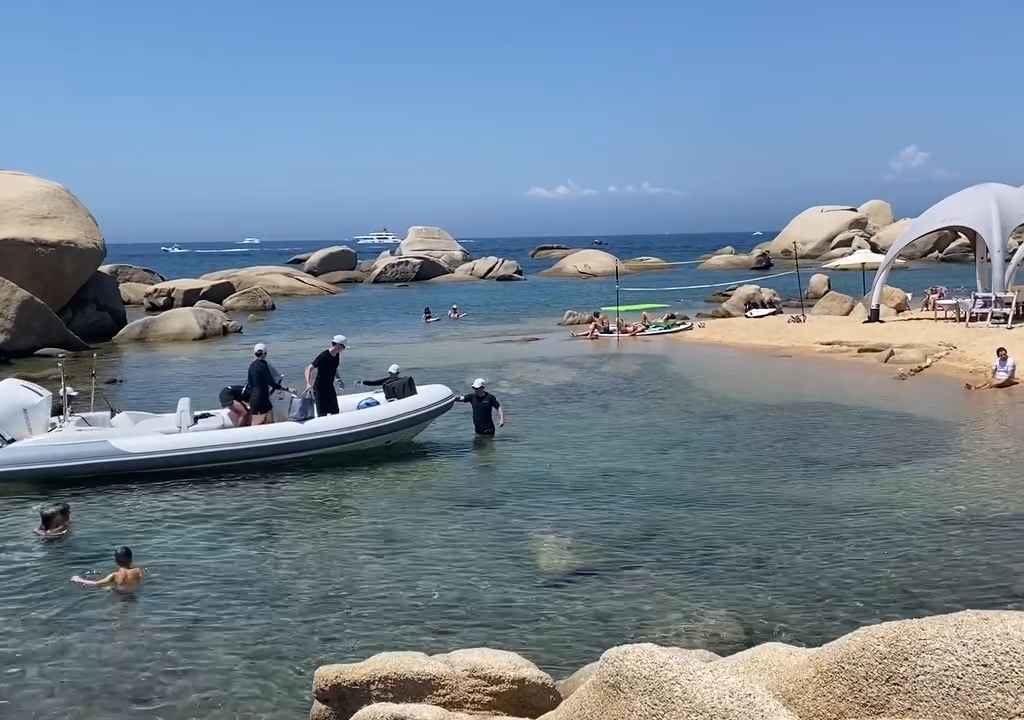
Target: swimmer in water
<point>125,577</point>
<point>54,521</point>
<point>427,315</point>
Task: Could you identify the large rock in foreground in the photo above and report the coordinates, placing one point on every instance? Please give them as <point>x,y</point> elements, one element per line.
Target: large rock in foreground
<point>814,229</point>
<point>331,259</point>
<point>49,242</point>
<point>585,264</point>
<point>417,711</point>
<point>189,323</point>
<point>278,280</point>
<point>436,243</point>
<point>878,213</point>
<point>28,324</point>
<point>132,274</point>
<point>254,298</point>
<point>649,682</point>
<point>833,303</point>
<point>492,268</point>
<point>478,680</point>
<point>186,292</point>
<point>395,269</point>
<point>96,312</point>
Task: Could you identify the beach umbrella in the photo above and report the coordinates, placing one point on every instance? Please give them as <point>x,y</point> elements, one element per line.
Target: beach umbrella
<point>863,260</point>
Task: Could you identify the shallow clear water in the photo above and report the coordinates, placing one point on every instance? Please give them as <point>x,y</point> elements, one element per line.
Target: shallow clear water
<point>702,497</point>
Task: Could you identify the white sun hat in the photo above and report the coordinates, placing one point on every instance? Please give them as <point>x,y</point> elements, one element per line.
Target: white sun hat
<point>339,340</point>
<point>479,383</point>
<point>259,348</point>
<point>394,369</point>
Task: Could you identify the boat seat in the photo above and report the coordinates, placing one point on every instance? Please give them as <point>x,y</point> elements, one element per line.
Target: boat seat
<point>183,415</point>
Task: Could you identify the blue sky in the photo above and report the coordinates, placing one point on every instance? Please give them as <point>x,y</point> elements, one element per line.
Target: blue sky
<point>316,120</point>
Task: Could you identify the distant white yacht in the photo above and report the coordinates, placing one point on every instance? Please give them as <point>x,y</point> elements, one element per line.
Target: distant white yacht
<point>378,238</point>
<point>250,241</point>
<point>758,233</point>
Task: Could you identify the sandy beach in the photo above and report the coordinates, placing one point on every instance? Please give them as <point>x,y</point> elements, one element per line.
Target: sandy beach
<point>966,352</point>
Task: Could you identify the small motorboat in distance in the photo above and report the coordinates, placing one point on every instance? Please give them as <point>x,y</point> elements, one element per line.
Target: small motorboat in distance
<point>175,248</point>
<point>250,241</point>
<point>36,446</point>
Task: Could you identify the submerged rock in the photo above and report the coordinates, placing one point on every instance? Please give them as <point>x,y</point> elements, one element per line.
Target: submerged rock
<point>179,324</point>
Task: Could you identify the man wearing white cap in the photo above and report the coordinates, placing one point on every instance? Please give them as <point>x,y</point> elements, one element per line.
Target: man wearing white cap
<point>483,406</point>
<point>320,376</point>
<point>261,382</point>
<point>394,385</point>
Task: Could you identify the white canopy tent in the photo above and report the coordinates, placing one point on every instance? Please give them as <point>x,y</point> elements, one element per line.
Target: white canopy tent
<point>989,213</point>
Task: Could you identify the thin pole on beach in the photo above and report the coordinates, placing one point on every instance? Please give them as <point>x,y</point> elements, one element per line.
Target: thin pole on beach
<point>617,303</point>
<point>799,285</point>
<point>863,280</point>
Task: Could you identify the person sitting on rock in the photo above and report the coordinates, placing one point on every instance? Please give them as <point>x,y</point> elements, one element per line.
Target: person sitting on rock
<point>54,521</point>
<point>1004,372</point>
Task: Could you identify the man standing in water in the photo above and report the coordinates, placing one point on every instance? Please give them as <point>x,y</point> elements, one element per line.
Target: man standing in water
<point>483,406</point>
<point>321,374</point>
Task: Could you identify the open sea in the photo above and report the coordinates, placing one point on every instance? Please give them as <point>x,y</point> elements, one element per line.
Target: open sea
<point>651,490</point>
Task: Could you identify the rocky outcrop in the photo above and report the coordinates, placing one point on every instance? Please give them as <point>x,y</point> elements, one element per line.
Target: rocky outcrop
<point>585,264</point>
<point>492,268</point>
<point>818,286</point>
<point>649,682</point>
<point>885,237</point>
<point>574,317</point>
<point>833,303</point>
<point>50,244</point>
<point>727,262</point>
<point>727,250</point>
<point>132,274</point>
<point>960,250</point>
<point>179,324</point>
<point>185,293</point>
<point>278,280</point>
<point>847,239</point>
<point>133,293</point>
<point>839,252</point>
<point>894,298</point>
<point>878,213</point>
<point>935,242</point>
<point>331,259</point>
<point>96,312</point>
<point>209,305</point>
<point>28,324</point>
<point>478,680</point>
<point>646,262</point>
<point>253,298</point>
<point>394,269</point>
<point>575,681</point>
<point>814,229</point>
<point>436,243</point>
<point>552,250</point>
<point>299,259</point>
<point>342,277</point>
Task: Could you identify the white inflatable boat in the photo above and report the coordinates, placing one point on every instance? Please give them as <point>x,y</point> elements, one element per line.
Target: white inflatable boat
<point>36,446</point>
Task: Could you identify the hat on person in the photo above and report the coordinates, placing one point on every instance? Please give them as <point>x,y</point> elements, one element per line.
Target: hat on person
<point>394,369</point>
<point>259,348</point>
<point>339,340</point>
<point>455,307</point>
<point>479,383</point>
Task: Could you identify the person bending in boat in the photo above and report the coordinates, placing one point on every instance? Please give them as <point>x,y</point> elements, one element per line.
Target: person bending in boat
<point>321,374</point>
<point>232,399</point>
<point>394,385</point>
<point>125,577</point>
<point>484,404</point>
<point>261,383</point>
<point>54,521</point>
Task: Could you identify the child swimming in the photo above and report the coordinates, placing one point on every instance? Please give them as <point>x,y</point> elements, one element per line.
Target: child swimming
<point>125,577</point>
<point>54,521</point>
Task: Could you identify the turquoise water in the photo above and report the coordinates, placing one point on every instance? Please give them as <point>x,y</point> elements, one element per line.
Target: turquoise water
<point>701,496</point>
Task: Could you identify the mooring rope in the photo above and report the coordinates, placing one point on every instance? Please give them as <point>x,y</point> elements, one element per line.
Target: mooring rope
<point>709,285</point>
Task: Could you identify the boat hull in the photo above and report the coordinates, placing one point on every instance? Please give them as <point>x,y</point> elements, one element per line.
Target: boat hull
<point>76,457</point>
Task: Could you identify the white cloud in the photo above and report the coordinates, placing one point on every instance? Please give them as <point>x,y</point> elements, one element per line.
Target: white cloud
<point>561,192</point>
<point>913,163</point>
<point>572,190</point>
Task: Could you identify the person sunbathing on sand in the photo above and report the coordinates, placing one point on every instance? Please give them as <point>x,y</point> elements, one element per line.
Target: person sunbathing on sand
<point>1004,371</point>
<point>125,577</point>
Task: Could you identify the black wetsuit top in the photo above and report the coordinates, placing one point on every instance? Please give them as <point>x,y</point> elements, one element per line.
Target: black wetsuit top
<point>483,405</point>
<point>230,394</point>
<point>261,383</point>
<point>326,370</point>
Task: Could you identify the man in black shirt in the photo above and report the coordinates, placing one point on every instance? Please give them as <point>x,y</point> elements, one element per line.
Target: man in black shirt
<point>261,383</point>
<point>320,376</point>
<point>483,405</point>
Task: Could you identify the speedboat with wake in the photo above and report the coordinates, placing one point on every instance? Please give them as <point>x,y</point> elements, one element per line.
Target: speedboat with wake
<point>36,446</point>
<point>175,248</point>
